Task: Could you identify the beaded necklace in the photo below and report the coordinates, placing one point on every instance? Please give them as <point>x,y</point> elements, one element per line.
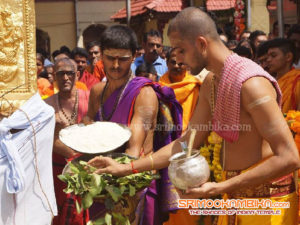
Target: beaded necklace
<point>72,119</point>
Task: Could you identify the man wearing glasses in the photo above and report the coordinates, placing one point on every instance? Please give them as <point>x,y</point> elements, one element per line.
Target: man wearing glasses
<point>70,105</point>
<point>152,43</point>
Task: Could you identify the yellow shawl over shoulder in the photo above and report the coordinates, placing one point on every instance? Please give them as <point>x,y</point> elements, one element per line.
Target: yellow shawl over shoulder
<point>187,92</point>
<point>290,88</point>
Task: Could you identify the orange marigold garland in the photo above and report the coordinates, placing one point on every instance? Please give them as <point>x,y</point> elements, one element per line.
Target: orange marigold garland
<point>293,120</point>
<point>211,151</point>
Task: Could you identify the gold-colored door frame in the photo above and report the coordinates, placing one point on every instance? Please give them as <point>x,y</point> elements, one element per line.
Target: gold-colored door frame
<point>17,54</point>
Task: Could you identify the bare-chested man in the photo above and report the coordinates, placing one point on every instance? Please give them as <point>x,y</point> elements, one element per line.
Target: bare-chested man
<point>70,106</point>
<point>239,93</point>
<point>133,101</point>
<point>105,98</point>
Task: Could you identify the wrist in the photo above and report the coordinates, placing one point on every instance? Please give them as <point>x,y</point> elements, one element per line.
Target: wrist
<point>127,169</point>
<point>220,188</point>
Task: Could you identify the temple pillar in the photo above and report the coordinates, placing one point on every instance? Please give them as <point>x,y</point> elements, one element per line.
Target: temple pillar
<point>259,16</point>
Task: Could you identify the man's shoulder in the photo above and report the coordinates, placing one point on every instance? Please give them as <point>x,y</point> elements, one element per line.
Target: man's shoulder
<point>257,87</point>
<point>51,100</point>
<point>147,95</point>
<point>97,88</point>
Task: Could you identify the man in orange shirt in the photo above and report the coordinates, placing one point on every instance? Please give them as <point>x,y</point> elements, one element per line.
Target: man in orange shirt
<point>281,56</point>
<point>80,56</point>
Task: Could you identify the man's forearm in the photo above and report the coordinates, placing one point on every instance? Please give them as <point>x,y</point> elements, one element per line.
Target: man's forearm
<point>160,158</point>
<point>63,150</point>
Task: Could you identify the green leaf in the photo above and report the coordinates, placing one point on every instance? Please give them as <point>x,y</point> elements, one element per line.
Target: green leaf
<point>87,200</point>
<point>94,191</point>
<point>109,203</point>
<point>96,179</point>
<point>62,177</point>
<point>114,192</point>
<point>78,207</point>
<point>68,190</point>
<point>73,168</point>
<point>108,219</point>
<point>100,221</point>
<point>83,163</point>
<point>131,190</point>
<point>122,189</point>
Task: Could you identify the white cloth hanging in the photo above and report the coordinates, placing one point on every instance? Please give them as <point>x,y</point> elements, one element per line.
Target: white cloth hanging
<point>22,199</point>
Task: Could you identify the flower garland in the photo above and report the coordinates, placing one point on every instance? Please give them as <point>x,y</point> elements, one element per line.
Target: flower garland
<point>293,119</point>
<point>211,152</point>
<point>239,19</point>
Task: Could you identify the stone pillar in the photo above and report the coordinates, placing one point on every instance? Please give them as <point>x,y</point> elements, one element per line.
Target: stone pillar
<point>259,16</point>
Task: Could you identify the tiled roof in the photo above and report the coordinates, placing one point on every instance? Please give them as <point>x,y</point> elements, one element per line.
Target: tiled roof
<point>220,4</point>
<point>141,6</point>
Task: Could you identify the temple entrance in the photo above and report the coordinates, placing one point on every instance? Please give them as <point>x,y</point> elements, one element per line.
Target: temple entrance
<point>43,42</point>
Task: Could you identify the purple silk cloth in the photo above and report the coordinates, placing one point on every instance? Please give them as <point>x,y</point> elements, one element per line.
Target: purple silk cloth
<point>169,124</point>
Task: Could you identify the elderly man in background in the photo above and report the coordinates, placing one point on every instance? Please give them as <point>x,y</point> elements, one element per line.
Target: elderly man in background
<point>70,105</point>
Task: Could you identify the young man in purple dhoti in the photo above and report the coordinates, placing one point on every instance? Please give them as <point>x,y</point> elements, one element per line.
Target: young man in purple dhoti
<point>141,105</point>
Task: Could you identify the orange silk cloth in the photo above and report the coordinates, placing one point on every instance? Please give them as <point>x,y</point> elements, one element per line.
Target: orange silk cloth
<point>290,88</point>
<point>53,89</point>
<point>99,70</point>
<point>44,86</point>
<point>186,92</point>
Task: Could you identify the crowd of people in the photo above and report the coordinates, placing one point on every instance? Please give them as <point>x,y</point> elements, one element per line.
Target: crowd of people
<point>202,79</point>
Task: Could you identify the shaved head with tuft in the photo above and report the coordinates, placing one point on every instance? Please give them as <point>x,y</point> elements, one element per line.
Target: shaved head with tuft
<point>193,22</point>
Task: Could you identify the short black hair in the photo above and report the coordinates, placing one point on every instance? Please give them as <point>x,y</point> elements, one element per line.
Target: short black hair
<point>295,29</point>
<point>243,51</point>
<point>40,57</point>
<point>232,43</point>
<point>285,45</point>
<point>263,48</point>
<point>146,68</point>
<point>168,55</point>
<point>119,37</point>
<point>64,49</point>
<point>152,33</point>
<point>248,44</point>
<point>55,53</point>
<point>92,44</point>
<point>255,34</point>
<point>79,51</point>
